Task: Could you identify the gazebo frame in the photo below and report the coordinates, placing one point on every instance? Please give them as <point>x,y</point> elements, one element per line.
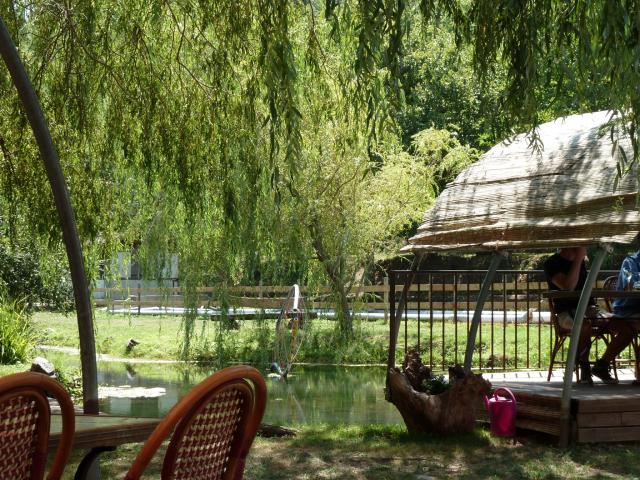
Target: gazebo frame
<point>515,198</point>
<point>583,302</point>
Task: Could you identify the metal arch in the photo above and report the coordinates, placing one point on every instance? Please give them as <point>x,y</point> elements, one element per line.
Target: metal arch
<point>477,314</point>
<point>71,239</point>
<point>396,314</point>
<point>565,401</point>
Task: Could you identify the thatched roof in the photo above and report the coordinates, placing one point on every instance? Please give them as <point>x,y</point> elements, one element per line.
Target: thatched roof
<point>514,197</point>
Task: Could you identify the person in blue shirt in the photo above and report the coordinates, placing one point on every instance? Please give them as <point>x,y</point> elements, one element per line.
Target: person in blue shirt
<point>628,278</point>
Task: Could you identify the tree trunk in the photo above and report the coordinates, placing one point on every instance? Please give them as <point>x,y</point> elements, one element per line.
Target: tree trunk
<point>453,411</point>
<point>346,324</point>
<point>334,268</point>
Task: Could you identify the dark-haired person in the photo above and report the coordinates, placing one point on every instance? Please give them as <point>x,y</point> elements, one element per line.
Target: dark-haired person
<point>566,270</point>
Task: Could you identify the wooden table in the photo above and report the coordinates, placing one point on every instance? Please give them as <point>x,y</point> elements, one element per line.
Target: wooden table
<point>596,293</point>
<point>101,433</point>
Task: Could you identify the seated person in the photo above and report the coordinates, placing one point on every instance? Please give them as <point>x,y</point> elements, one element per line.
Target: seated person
<point>629,275</point>
<point>566,270</point>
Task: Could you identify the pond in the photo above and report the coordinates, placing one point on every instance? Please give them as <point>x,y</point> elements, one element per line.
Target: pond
<point>311,396</point>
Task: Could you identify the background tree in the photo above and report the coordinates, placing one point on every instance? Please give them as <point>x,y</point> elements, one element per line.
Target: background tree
<point>191,126</point>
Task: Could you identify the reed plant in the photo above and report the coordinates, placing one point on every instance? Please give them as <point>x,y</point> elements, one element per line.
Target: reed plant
<point>16,335</point>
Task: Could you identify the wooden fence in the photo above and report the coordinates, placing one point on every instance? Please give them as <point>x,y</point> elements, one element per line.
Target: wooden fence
<point>263,297</point>
<point>514,332</point>
<point>449,290</point>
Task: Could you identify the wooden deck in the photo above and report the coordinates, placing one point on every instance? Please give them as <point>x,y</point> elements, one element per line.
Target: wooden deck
<point>600,413</point>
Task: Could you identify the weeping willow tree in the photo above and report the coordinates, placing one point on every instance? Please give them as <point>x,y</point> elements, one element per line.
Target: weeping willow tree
<point>235,132</point>
<point>179,125</point>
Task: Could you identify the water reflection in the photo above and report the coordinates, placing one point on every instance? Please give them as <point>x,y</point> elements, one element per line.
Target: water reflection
<point>312,395</point>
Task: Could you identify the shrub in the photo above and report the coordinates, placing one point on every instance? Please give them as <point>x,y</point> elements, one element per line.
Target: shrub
<point>16,338</point>
<point>23,279</point>
<point>71,379</point>
<point>436,385</point>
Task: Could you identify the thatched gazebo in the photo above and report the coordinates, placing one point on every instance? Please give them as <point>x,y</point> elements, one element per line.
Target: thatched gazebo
<point>563,190</point>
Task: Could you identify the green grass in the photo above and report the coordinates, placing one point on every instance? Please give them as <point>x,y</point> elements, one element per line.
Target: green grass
<point>161,337</point>
<point>18,367</point>
<point>377,452</point>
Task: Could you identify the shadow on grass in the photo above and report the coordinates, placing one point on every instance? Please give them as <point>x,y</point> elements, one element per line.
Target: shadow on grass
<point>373,436</point>
<point>381,452</point>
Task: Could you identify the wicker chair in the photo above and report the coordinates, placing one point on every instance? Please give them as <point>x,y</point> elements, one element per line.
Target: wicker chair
<point>24,426</point>
<point>213,428</point>
<point>611,283</point>
<point>598,332</point>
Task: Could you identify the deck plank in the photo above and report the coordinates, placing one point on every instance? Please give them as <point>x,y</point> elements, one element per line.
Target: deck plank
<point>609,434</point>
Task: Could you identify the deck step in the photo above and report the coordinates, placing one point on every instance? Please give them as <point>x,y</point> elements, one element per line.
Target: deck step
<point>600,413</point>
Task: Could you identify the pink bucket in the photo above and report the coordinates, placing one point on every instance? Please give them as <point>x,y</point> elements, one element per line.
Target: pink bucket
<point>502,413</point>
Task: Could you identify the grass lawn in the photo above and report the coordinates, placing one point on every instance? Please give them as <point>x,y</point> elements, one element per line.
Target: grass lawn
<point>387,452</point>
<point>18,367</point>
<point>161,337</point>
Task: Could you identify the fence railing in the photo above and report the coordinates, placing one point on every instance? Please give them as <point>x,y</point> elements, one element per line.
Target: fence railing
<point>514,332</point>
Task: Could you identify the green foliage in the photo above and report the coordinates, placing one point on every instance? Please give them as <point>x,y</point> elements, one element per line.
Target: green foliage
<point>443,153</point>
<point>71,379</point>
<point>559,56</point>
<point>16,336</point>
<point>442,91</point>
<point>435,385</point>
<point>24,280</point>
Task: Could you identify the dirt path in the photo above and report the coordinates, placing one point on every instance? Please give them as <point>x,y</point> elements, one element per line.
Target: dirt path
<point>105,357</point>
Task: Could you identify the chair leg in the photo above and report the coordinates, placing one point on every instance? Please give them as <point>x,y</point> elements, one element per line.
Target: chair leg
<point>613,363</point>
<point>556,348</point>
<point>636,354</point>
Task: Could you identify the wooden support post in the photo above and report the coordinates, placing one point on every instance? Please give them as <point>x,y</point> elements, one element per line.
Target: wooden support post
<point>385,297</point>
<point>65,211</point>
<point>477,314</point>
<point>565,402</point>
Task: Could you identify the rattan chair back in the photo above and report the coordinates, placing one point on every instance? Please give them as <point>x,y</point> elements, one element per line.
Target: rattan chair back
<point>213,428</point>
<point>598,332</point>
<point>25,416</point>
<point>610,283</point>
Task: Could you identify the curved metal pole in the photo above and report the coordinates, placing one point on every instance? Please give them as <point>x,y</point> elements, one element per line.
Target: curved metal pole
<point>65,211</point>
<point>477,314</point>
<point>565,402</point>
<point>396,315</point>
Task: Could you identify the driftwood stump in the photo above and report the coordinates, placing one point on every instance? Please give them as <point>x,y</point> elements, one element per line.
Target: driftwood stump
<point>268,431</point>
<point>453,411</point>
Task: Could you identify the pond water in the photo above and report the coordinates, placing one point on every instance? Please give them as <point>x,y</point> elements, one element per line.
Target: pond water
<point>312,395</point>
